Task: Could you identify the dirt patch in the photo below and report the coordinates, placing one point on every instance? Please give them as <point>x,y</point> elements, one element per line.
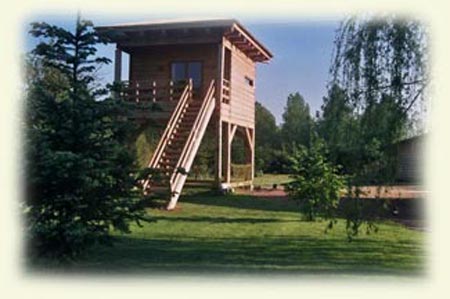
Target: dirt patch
<point>374,192</point>
<point>271,193</point>
<point>402,204</point>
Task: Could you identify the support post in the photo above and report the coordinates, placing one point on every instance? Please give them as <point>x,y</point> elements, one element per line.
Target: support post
<point>227,158</point>
<point>253,159</point>
<point>219,153</point>
<point>118,65</point>
<point>117,69</point>
<point>218,114</point>
<point>250,152</point>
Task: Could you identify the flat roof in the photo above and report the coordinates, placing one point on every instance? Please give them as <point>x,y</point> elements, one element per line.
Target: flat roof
<point>173,23</point>
<point>230,27</point>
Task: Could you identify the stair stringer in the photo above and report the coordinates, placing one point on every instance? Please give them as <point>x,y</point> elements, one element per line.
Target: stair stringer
<point>191,147</point>
<point>177,114</point>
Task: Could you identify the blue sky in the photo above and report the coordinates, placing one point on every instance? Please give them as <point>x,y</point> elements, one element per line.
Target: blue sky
<point>302,54</point>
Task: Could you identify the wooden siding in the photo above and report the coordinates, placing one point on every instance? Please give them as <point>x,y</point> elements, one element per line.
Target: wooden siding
<point>241,109</point>
<point>154,63</point>
<point>409,159</point>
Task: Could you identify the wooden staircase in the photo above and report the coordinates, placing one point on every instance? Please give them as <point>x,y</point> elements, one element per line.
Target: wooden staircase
<point>180,141</point>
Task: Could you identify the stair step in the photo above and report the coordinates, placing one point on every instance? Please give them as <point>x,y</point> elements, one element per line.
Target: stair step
<point>195,103</point>
<point>191,113</point>
<point>172,156</point>
<point>172,150</point>
<point>176,142</point>
<point>180,132</point>
<point>184,129</point>
<point>181,135</point>
<point>185,126</point>
<point>169,159</point>
<point>166,163</point>
<point>187,122</point>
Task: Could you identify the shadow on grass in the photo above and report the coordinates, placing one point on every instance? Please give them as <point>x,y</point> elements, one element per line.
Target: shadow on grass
<point>222,219</point>
<point>240,201</point>
<point>393,209</point>
<point>258,256</point>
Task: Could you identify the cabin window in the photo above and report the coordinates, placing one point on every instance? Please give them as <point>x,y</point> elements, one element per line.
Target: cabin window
<point>249,81</point>
<point>227,65</point>
<point>183,71</point>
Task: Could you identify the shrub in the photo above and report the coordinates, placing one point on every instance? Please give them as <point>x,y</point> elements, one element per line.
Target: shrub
<point>241,171</point>
<point>317,184</point>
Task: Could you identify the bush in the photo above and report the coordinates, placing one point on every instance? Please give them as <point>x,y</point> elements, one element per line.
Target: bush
<point>241,171</point>
<point>317,184</point>
<point>279,162</point>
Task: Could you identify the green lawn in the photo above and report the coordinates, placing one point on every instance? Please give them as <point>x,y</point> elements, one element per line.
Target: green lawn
<point>239,234</point>
<point>267,180</point>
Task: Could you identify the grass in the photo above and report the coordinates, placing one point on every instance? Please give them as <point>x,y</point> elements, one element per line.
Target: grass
<point>267,180</point>
<point>237,234</point>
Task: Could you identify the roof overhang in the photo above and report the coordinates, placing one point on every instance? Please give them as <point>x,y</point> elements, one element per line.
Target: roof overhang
<point>244,40</point>
<point>132,35</point>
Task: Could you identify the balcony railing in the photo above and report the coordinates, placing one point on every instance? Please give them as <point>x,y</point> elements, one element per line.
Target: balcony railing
<point>145,91</point>
<point>226,91</point>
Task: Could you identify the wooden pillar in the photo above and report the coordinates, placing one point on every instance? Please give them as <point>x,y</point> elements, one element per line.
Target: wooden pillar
<point>230,130</point>
<point>227,153</point>
<point>219,153</point>
<point>218,115</point>
<point>118,65</point>
<point>253,158</point>
<point>250,151</point>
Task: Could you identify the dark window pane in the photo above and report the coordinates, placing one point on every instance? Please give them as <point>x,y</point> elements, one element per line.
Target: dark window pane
<point>227,65</point>
<point>195,73</point>
<point>179,71</point>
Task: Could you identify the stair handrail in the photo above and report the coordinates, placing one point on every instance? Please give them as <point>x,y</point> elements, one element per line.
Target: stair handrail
<point>209,96</point>
<point>173,120</point>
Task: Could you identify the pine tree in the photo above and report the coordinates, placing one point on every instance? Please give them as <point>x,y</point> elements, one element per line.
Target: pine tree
<point>78,172</point>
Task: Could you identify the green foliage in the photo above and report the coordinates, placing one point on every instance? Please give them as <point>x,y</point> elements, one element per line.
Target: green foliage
<point>204,163</point>
<point>378,80</point>
<point>77,167</point>
<point>238,150</point>
<point>267,139</point>
<point>316,184</point>
<point>337,126</point>
<point>241,172</point>
<point>72,54</point>
<point>381,60</point>
<point>280,162</point>
<point>144,142</point>
<point>297,122</point>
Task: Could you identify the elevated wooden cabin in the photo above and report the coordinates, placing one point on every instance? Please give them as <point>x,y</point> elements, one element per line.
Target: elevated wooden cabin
<point>202,73</point>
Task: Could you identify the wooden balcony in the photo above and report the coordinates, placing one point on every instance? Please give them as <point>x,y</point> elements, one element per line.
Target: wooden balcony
<point>147,91</point>
<point>151,99</point>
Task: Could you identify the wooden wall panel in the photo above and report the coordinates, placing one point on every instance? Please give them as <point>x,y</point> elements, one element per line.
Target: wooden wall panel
<point>241,108</point>
<point>153,63</point>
